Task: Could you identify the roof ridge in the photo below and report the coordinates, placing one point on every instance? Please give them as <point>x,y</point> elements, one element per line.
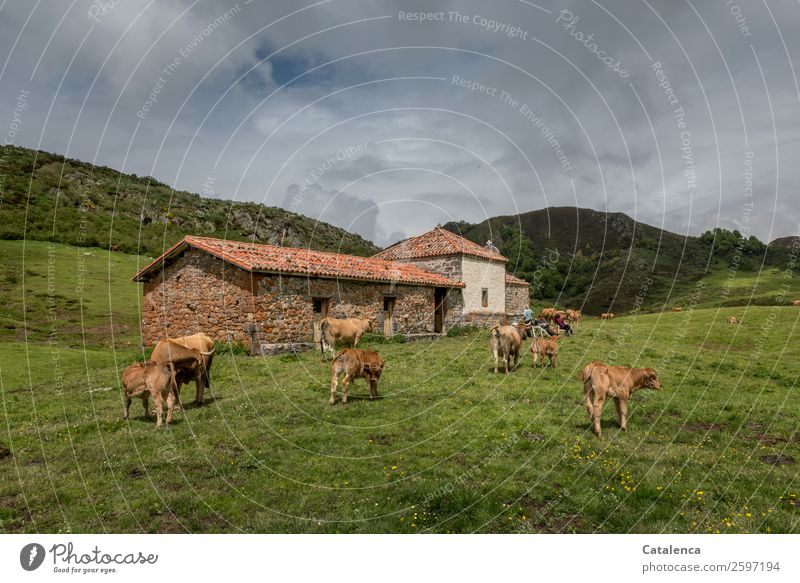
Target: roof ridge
<point>437,242</point>
<point>267,258</point>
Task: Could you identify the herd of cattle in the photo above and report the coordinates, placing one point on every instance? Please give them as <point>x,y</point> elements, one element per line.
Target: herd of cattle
<point>176,361</point>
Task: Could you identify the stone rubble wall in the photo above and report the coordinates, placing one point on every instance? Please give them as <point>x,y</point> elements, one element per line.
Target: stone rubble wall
<point>198,292</point>
<point>516,300</point>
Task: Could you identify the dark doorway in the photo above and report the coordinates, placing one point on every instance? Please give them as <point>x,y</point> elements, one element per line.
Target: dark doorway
<point>320,311</point>
<point>440,309</point>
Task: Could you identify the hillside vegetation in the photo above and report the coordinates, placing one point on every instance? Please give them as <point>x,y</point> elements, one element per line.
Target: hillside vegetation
<point>609,262</point>
<point>47,197</point>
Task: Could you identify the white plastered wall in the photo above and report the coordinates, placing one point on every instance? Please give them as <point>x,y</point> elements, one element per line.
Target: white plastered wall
<point>478,274</point>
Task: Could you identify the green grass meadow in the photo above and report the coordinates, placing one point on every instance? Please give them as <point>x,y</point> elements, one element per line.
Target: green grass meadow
<point>449,447</point>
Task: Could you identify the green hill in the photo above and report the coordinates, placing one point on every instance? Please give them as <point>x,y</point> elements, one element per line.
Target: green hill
<point>610,262</point>
<point>47,197</point>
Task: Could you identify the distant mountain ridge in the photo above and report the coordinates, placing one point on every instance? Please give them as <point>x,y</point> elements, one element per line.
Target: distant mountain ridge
<point>47,197</point>
<point>603,261</point>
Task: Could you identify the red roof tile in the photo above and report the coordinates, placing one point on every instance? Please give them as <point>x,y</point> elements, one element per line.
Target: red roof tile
<point>434,243</point>
<point>514,280</point>
<point>293,261</point>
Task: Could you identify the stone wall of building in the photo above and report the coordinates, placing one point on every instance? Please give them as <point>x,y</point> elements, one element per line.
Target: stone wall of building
<point>284,305</point>
<point>201,293</point>
<point>516,299</point>
<point>484,320</point>
<point>447,265</point>
<point>197,293</point>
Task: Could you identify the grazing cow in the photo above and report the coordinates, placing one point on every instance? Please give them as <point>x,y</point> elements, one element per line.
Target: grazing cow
<point>677,309</point>
<point>150,379</point>
<point>189,364</point>
<point>505,340</point>
<point>796,303</point>
<point>356,363</point>
<point>620,382</point>
<point>573,316</point>
<point>547,314</point>
<point>544,347</point>
<point>732,320</point>
<point>347,330</point>
<point>606,316</point>
<point>200,342</point>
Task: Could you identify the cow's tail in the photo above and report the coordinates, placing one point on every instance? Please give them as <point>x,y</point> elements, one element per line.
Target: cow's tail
<point>323,330</point>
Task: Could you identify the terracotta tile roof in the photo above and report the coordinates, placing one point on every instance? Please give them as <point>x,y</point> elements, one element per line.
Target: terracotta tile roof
<point>514,280</point>
<point>293,261</point>
<point>437,242</point>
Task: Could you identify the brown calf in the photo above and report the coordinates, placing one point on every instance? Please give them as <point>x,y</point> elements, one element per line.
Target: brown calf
<point>188,364</point>
<point>150,379</point>
<point>732,320</point>
<point>620,382</point>
<point>544,347</point>
<point>356,364</point>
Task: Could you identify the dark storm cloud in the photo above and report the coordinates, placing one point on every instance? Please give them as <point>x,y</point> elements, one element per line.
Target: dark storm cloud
<point>496,109</point>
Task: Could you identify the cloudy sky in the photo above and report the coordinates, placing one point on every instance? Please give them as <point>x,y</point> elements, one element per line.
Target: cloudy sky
<point>388,117</point>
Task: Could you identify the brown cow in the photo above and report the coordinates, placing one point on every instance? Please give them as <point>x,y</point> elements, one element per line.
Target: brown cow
<point>677,309</point>
<point>620,382</point>
<point>356,363</point>
<point>544,347</point>
<point>607,316</point>
<point>150,379</point>
<point>346,330</point>
<point>573,316</point>
<point>188,363</point>
<point>732,320</point>
<point>796,303</point>
<point>547,314</point>
<point>505,341</point>
<point>204,345</point>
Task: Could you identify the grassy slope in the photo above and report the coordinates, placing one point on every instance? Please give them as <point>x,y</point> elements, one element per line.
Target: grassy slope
<point>450,448</point>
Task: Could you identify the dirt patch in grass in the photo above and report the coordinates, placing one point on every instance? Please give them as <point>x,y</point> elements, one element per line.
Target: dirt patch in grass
<point>791,501</point>
<point>169,524</point>
<point>759,435</point>
<point>381,439</point>
<point>4,451</point>
<point>136,473</point>
<point>532,436</point>
<point>777,459</point>
<point>545,519</point>
<point>9,502</point>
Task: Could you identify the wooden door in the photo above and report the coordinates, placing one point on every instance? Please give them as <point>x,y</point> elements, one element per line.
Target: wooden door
<point>388,310</point>
<point>440,309</point>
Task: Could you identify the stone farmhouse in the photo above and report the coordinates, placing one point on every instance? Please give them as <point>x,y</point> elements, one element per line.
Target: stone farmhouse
<point>263,294</point>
